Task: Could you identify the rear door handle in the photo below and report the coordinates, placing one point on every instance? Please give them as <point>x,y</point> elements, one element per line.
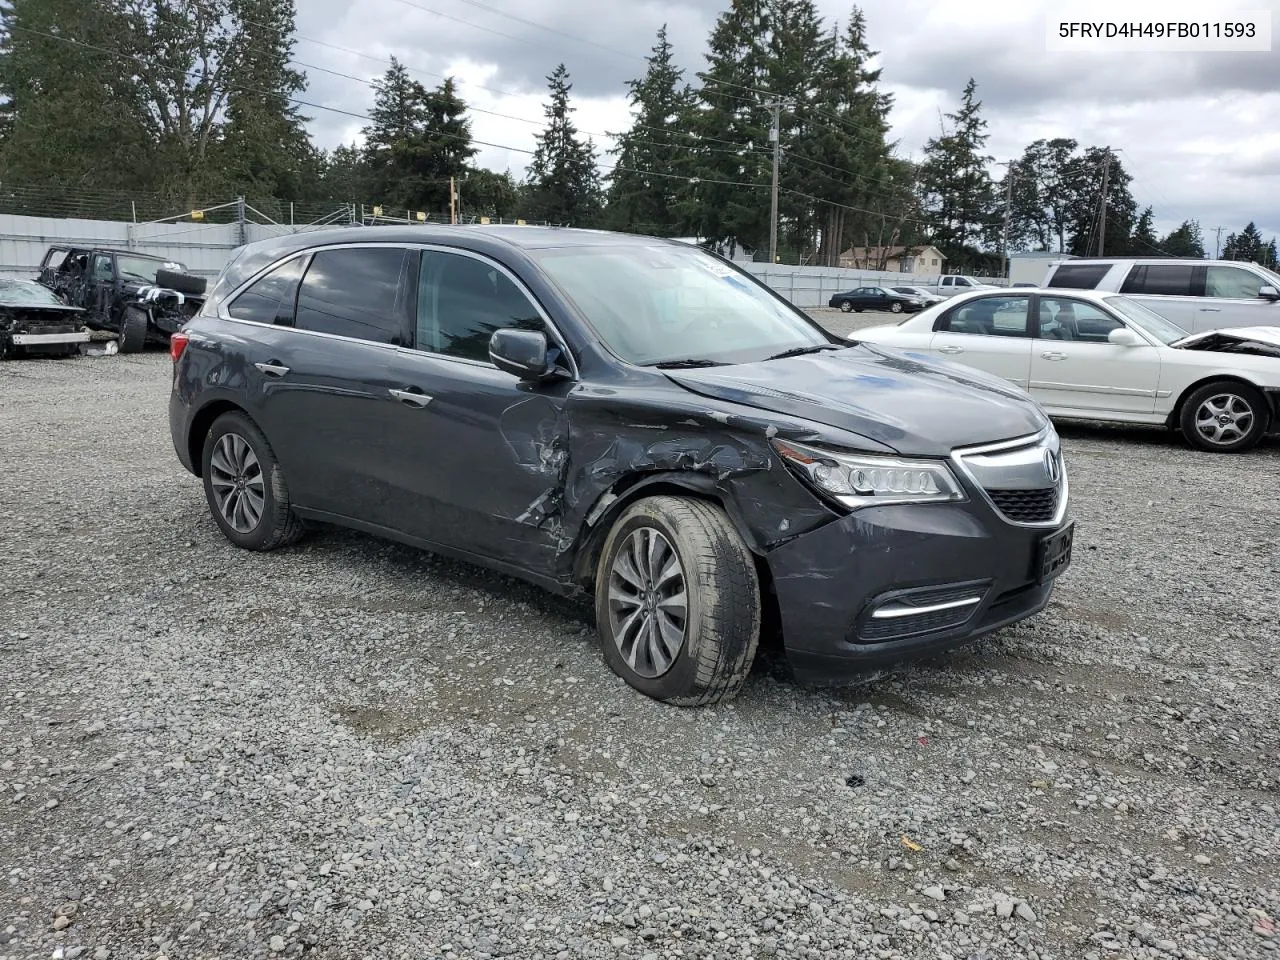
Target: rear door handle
<point>413,397</point>
<point>951,348</point>
<point>273,369</point>
<point>1053,355</point>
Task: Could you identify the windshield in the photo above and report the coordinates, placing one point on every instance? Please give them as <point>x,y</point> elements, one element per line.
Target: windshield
<point>654,304</point>
<point>1272,276</point>
<point>144,268</point>
<point>1148,320</point>
<point>27,293</point>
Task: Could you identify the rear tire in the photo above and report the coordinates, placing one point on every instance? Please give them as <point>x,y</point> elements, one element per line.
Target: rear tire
<point>245,487</point>
<point>133,330</point>
<point>678,601</point>
<point>1224,417</point>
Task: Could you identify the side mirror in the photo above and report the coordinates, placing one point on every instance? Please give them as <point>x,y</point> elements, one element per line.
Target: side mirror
<point>524,353</point>
<point>1268,292</point>
<point>1124,337</point>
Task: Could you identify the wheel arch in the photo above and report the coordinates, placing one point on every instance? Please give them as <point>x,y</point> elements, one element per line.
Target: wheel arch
<point>202,422</point>
<point>1269,400</point>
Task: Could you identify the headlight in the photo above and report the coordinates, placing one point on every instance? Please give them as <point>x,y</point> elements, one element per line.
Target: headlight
<point>858,480</point>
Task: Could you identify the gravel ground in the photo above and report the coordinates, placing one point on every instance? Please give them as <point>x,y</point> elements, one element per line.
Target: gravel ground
<point>352,749</point>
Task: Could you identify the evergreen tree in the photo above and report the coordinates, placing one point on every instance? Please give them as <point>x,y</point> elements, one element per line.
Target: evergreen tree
<point>1245,245</point>
<point>1042,193</point>
<point>73,116</point>
<point>1185,241</point>
<point>954,180</point>
<point>1084,179</point>
<point>661,102</point>
<point>449,150</point>
<point>344,175</point>
<point>1145,242</point>
<point>562,184</point>
<point>394,138</point>
<point>488,194</point>
<point>729,201</point>
<point>264,148</point>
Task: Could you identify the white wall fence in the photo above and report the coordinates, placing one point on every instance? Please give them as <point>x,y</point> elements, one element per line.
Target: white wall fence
<point>206,247</point>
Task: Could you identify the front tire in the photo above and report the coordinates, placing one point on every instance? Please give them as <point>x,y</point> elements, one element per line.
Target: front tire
<point>846,306</point>
<point>245,487</point>
<point>133,330</point>
<point>678,601</point>
<point>895,308</point>
<point>1224,417</point>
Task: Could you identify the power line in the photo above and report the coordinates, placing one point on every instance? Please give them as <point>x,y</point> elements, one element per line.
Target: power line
<point>511,16</point>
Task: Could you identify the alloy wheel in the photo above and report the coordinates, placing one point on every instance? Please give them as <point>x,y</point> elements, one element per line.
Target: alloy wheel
<point>1224,418</point>
<point>239,488</point>
<point>648,606</point>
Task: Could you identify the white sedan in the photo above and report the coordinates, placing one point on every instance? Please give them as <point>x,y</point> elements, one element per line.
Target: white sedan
<point>1101,356</point>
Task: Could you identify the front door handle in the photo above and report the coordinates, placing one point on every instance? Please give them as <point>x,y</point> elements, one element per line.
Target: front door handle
<point>273,368</point>
<point>1210,309</point>
<point>951,348</point>
<point>413,397</point>
<point>1053,355</point>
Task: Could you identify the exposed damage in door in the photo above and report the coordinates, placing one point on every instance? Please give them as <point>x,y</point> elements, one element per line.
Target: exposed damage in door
<point>624,447</point>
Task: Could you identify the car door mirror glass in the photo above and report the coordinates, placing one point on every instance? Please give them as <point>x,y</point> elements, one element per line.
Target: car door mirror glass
<point>1124,337</point>
<point>523,353</point>
<point>1268,292</point>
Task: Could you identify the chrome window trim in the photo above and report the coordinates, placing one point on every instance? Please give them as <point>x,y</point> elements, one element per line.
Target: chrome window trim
<point>959,454</point>
<point>555,335</point>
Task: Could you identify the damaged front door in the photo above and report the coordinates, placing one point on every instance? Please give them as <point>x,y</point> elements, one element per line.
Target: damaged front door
<point>480,455</point>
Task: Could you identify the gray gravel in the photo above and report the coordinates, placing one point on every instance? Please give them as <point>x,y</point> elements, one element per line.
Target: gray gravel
<point>352,749</point>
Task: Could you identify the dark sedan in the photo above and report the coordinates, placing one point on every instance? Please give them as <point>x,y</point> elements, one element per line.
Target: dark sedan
<point>876,298</point>
<point>627,419</point>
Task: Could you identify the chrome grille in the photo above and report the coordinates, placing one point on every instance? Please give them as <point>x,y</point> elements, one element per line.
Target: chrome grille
<point>1025,480</point>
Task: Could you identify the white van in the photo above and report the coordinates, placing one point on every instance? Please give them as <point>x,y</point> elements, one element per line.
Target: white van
<point>1197,295</point>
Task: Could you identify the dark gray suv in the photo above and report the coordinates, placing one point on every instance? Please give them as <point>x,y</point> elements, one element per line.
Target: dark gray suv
<point>628,418</point>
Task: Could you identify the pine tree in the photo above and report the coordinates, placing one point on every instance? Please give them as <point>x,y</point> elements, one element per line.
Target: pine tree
<point>731,155</point>
<point>562,183</point>
<point>954,180</point>
<point>1185,241</point>
<point>394,139</point>
<point>73,115</point>
<point>264,150</point>
<point>488,194</point>
<point>1144,242</point>
<point>449,150</point>
<point>643,193</point>
<point>1246,245</point>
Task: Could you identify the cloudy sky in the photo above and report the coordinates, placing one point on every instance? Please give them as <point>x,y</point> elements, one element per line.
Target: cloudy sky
<point>1199,132</point>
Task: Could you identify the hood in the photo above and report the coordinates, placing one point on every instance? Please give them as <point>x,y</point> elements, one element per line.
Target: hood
<point>1267,335</point>
<point>916,406</point>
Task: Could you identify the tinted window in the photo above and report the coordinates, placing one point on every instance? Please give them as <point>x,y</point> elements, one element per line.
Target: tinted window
<point>1075,320</point>
<point>989,316</point>
<point>1079,276</point>
<point>462,300</point>
<point>1161,279</point>
<point>352,293</point>
<point>1232,283</point>
<point>270,299</point>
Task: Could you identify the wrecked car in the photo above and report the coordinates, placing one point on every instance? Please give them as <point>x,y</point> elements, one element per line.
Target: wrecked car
<point>633,420</point>
<point>34,322</point>
<point>1104,356</point>
<point>141,298</point>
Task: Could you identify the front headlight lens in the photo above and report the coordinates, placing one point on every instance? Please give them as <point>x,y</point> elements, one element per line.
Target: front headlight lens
<point>858,480</point>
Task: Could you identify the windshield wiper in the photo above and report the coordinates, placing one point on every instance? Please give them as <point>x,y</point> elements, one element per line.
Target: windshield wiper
<point>687,364</point>
<point>801,351</point>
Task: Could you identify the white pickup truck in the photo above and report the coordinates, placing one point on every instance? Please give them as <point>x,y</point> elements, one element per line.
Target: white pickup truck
<point>954,283</point>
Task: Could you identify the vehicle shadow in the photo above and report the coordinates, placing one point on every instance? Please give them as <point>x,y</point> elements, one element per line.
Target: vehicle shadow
<point>1146,436</point>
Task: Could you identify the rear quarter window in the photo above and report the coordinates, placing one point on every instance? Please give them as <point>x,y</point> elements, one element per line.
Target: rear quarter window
<point>1161,279</point>
<point>1079,276</point>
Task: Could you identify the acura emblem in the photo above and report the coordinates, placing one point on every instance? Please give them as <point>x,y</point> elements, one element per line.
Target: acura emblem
<point>1051,466</point>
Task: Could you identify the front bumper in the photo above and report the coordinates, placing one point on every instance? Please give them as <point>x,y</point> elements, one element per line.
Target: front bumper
<point>885,584</point>
<point>48,339</point>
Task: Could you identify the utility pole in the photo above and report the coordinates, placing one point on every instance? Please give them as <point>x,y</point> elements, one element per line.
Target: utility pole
<point>1008,209</point>
<point>453,200</point>
<point>1217,241</point>
<point>773,215</point>
<point>1102,215</point>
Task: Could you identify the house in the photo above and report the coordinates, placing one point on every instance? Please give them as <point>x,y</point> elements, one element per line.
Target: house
<point>919,260</point>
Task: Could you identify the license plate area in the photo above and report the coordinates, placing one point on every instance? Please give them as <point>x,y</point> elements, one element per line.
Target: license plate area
<point>1053,555</point>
